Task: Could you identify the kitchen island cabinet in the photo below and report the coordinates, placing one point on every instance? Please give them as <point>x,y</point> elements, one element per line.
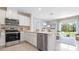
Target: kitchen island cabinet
<point>42,41</point>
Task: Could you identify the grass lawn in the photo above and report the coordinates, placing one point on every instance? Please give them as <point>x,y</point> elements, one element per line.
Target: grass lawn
<point>72,34</point>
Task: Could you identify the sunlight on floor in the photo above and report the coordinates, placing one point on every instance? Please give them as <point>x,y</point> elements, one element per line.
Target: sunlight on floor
<point>66,47</point>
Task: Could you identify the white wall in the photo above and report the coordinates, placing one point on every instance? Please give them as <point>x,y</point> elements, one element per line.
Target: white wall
<point>77,25</point>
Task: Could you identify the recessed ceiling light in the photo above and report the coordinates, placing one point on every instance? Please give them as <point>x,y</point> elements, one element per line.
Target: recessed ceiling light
<point>39,9</point>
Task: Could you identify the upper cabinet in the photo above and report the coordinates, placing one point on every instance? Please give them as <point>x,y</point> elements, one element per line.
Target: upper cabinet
<point>11,14</point>
<point>2,16</point>
<point>24,20</point>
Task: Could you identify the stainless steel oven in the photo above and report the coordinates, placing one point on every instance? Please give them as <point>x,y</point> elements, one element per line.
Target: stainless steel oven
<point>12,37</point>
<point>12,34</point>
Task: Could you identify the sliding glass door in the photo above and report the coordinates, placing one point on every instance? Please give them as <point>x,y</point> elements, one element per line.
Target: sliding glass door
<point>67,33</point>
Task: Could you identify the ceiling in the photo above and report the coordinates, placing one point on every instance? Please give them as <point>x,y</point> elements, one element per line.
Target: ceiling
<point>49,13</point>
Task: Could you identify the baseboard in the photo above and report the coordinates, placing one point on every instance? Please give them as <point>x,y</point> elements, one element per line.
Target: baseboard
<point>22,41</point>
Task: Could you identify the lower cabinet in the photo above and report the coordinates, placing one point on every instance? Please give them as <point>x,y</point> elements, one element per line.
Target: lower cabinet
<point>22,36</point>
<point>2,39</point>
<point>32,38</point>
<point>29,37</point>
<point>38,40</point>
<point>35,40</point>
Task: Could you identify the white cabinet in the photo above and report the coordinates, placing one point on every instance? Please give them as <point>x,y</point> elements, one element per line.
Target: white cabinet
<point>12,14</point>
<point>22,36</point>
<point>2,16</point>
<point>52,43</point>
<point>25,37</point>
<point>29,37</point>
<point>2,38</point>
<point>24,20</point>
<point>34,39</point>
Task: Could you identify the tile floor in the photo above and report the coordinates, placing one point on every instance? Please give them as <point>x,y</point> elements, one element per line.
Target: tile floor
<point>20,47</point>
<point>65,47</point>
<point>27,47</point>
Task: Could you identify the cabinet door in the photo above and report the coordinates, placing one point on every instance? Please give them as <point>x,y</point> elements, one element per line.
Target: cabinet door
<point>22,36</point>
<point>2,16</point>
<point>24,20</point>
<point>12,14</point>
<point>27,37</point>
<point>35,39</point>
<point>2,39</point>
<point>27,21</point>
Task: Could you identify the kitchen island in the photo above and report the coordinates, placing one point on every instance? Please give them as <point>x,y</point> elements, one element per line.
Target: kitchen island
<point>33,37</point>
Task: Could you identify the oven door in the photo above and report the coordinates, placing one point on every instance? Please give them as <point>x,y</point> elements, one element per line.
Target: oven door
<point>12,37</point>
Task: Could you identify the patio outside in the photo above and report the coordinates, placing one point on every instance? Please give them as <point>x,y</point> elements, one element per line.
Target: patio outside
<point>67,33</point>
